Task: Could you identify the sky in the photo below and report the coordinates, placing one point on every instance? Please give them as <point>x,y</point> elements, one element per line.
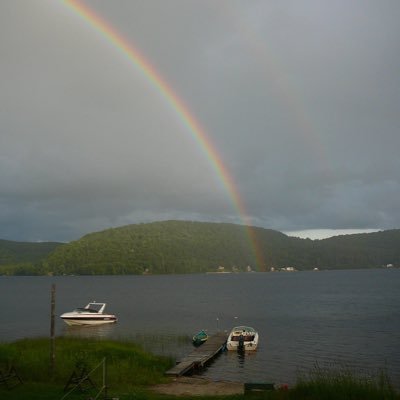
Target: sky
<point>299,102</point>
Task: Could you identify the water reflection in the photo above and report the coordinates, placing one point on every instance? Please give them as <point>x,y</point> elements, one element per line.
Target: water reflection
<point>88,331</point>
<point>164,344</point>
<point>235,366</point>
<point>241,357</point>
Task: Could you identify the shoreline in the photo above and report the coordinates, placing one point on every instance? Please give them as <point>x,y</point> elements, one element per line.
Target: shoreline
<point>198,386</point>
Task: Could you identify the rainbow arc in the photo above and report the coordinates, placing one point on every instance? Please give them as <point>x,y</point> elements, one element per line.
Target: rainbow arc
<point>181,109</point>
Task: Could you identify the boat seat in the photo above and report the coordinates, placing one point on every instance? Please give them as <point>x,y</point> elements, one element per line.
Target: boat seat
<point>10,377</point>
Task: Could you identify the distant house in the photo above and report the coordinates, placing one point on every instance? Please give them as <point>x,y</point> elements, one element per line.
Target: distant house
<point>288,269</point>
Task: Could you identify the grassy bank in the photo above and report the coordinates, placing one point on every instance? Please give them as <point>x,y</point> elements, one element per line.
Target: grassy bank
<point>130,371</point>
<point>129,367</point>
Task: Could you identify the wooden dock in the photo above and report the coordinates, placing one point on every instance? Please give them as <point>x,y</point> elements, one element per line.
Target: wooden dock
<point>200,355</point>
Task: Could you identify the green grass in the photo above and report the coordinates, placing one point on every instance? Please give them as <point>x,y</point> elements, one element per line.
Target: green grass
<point>128,366</point>
<point>343,384</point>
<point>130,370</point>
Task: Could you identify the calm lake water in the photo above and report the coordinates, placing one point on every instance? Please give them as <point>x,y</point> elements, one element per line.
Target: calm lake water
<point>336,319</point>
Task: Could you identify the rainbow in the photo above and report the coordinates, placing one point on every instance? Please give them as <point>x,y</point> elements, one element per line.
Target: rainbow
<point>191,124</point>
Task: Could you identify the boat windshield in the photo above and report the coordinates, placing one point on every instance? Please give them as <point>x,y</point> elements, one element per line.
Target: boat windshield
<point>246,338</point>
<point>85,310</point>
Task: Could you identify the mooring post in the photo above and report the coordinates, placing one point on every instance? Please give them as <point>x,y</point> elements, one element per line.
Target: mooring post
<point>52,324</point>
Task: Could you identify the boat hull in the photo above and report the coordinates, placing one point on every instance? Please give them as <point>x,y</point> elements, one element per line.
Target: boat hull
<point>247,346</point>
<point>200,338</point>
<point>89,321</point>
<point>198,342</point>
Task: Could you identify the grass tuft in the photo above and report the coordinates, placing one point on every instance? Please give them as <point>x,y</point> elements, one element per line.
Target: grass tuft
<point>344,384</point>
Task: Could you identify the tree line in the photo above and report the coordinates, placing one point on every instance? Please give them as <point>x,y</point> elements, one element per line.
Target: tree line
<point>175,247</point>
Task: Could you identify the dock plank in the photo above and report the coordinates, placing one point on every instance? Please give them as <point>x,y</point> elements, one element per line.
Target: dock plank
<point>200,355</point>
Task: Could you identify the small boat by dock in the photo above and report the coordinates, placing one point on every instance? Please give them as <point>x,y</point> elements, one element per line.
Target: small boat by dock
<point>200,338</point>
<point>92,314</point>
<point>242,338</point>
<point>200,356</point>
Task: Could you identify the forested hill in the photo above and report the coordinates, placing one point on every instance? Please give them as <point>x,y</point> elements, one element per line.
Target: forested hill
<point>162,247</point>
<point>194,247</point>
<point>24,252</point>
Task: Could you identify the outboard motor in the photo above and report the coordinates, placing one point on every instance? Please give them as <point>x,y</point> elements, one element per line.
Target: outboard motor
<point>241,343</point>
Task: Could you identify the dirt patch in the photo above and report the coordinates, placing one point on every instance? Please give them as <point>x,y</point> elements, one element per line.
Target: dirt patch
<point>185,386</point>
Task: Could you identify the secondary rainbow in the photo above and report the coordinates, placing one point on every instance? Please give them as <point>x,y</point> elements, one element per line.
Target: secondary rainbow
<point>193,126</point>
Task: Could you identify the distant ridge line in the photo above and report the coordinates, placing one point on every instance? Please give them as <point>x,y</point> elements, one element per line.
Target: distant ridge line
<point>182,247</point>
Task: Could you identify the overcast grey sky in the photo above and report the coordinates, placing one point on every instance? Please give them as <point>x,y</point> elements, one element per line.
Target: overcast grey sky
<point>300,98</point>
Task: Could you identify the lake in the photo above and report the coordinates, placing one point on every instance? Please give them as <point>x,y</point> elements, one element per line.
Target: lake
<point>333,319</point>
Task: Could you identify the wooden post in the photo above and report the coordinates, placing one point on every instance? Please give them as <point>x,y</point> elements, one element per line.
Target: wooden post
<point>52,324</point>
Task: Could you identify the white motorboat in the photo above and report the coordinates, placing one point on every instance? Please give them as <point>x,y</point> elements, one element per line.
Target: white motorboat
<point>242,338</point>
<point>92,314</point>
